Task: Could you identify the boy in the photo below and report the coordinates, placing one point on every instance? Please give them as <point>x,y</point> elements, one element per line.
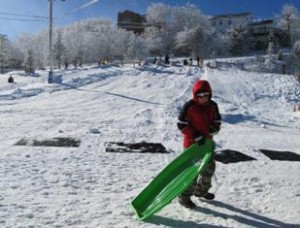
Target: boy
<point>199,119</point>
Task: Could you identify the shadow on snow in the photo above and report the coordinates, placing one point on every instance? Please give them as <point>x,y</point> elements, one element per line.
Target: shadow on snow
<point>244,217</point>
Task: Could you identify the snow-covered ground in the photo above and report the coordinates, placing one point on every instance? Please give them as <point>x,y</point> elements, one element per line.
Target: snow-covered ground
<point>87,187</point>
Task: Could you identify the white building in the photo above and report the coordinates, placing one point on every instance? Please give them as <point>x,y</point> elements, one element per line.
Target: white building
<point>222,23</point>
<point>260,30</point>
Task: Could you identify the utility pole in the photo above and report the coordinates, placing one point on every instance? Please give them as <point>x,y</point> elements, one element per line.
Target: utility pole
<point>50,76</point>
<point>3,39</point>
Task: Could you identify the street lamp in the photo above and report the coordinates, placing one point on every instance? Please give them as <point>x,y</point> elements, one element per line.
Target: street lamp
<point>50,76</point>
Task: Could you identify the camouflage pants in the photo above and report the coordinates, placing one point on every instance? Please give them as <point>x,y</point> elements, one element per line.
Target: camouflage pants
<point>202,183</point>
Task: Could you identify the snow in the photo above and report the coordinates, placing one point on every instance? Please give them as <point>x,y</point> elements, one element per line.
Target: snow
<point>87,187</point>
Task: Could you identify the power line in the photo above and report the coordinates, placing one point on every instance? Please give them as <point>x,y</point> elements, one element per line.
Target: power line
<point>16,19</point>
<point>23,15</point>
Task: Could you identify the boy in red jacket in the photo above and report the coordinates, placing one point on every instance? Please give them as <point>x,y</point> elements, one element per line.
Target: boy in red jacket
<point>199,119</point>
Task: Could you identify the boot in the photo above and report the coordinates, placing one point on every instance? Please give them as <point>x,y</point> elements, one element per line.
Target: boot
<point>209,196</point>
<point>186,202</point>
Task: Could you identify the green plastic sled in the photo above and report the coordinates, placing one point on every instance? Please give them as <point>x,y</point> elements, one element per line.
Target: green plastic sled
<point>173,179</point>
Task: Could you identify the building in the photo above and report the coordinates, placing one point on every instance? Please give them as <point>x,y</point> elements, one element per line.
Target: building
<point>131,21</point>
<point>265,31</point>
<point>261,31</point>
<point>221,23</point>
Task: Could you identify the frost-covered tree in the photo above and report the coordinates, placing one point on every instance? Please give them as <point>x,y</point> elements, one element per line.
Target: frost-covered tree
<point>41,49</point>
<point>221,44</point>
<point>154,41</point>
<point>182,29</point>
<point>121,43</point>
<point>159,35</point>
<point>189,40</point>
<point>74,44</point>
<point>289,20</point>
<point>106,42</point>
<point>29,62</point>
<point>240,40</point>
<point>189,16</point>
<point>10,55</point>
<point>136,48</point>
<point>34,44</point>
<point>193,41</point>
<point>193,31</point>
<point>296,58</point>
<point>59,49</point>
<point>15,57</point>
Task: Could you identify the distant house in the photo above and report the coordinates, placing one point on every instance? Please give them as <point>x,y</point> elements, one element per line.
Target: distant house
<point>221,23</point>
<point>265,31</point>
<point>261,31</point>
<point>131,21</point>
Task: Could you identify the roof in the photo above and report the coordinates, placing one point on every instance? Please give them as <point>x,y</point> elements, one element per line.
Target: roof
<point>231,15</point>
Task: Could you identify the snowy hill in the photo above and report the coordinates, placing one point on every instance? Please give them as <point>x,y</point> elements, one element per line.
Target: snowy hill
<point>87,187</point>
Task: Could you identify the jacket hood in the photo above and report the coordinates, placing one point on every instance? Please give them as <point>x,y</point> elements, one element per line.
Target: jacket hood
<point>203,86</point>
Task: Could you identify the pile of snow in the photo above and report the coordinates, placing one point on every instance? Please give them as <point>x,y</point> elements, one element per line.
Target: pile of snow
<point>87,187</point>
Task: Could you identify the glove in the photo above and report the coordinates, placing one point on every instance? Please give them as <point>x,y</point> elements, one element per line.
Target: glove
<point>215,127</point>
<point>213,130</point>
<point>199,139</point>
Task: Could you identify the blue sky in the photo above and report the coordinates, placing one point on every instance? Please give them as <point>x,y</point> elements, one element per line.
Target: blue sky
<point>17,16</point>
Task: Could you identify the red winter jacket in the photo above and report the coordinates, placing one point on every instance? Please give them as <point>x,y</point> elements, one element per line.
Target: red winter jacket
<point>196,119</point>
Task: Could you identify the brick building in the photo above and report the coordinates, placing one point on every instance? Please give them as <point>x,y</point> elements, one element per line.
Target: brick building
<point>131,21</point>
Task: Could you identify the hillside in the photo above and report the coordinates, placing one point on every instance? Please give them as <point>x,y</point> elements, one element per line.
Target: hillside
<point>87,187</point>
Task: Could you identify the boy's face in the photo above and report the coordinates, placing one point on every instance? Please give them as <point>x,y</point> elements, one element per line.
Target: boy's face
<point>202,97</point>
